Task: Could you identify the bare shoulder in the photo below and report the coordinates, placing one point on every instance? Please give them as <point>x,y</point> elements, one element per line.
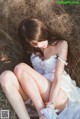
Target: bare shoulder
<point>62,43</point>
<point>62,47</point>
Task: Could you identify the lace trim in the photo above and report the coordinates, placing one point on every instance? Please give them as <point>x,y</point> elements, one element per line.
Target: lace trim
<point>62,59</point>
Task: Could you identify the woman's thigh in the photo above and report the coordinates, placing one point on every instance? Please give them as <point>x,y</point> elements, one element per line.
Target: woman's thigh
<point>42,83</point>
<point>23,94</point>
<point>9,78</point>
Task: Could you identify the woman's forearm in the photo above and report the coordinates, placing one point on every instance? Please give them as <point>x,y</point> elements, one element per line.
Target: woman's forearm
<point>54,91</point>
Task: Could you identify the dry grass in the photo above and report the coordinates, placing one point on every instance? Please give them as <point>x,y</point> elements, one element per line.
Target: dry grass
<point>63,18</point>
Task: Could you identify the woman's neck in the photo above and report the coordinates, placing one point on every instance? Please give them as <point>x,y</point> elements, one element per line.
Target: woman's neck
<point>44,49</point>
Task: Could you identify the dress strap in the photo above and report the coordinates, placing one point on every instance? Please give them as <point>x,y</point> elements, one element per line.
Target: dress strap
<point>62,59</point>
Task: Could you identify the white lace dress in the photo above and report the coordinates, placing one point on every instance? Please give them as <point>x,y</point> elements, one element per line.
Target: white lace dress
<point>47,69</point>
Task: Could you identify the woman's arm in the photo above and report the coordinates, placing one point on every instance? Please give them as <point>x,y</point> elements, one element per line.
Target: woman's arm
<point>62,54</point>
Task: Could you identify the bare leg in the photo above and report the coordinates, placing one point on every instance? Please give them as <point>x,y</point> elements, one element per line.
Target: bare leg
<point>10,86</point>
<point>31,89</point>
<point>34,85</point>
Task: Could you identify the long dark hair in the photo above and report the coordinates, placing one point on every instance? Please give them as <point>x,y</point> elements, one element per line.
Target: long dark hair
<point>33,29</point>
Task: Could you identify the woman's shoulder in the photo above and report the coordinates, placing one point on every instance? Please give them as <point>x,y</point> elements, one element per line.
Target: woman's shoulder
<point>62,44</point>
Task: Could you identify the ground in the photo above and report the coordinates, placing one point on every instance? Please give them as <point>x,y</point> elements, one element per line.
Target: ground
<point>65,19</point>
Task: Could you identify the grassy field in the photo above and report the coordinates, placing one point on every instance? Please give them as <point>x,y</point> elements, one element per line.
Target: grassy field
<point>63,18</point>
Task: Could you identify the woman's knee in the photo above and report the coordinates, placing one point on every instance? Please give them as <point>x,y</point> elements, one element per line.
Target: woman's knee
<point>22,72</point>
<point>5,78</point>
<point>20,68</point>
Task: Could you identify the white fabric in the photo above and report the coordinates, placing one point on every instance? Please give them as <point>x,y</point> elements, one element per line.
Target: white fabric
<point>71,111</point>
<point>49,113</point>
<point>62,60</point>
<point>47,69</point>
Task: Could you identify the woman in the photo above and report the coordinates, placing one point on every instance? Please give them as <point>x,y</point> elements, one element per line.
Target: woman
<point>47,84</point>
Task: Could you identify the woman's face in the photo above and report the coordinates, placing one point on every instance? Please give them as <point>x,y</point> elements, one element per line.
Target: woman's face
<point>41,44</point>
